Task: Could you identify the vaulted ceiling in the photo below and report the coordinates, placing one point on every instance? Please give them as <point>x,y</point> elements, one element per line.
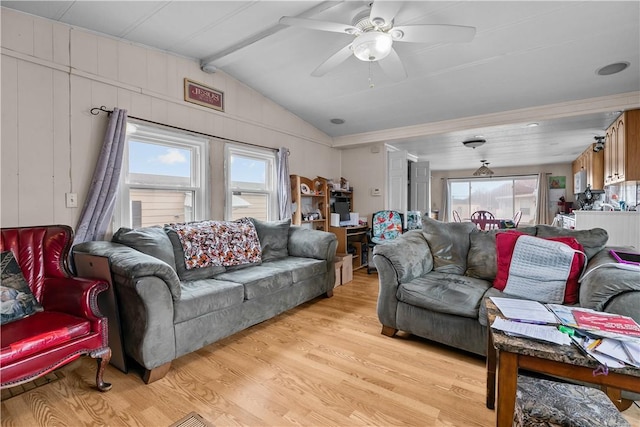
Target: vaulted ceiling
<point>530,61</point>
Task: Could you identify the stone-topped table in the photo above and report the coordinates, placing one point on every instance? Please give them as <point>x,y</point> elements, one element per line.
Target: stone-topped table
<point>511,353</point>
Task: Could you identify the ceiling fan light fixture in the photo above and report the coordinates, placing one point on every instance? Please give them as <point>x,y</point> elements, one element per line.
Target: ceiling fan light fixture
<point>372,46</point>
<point>483,170</point>
<point>474,143</point>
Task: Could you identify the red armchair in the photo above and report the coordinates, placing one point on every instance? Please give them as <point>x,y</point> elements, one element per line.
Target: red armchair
<point>70,324</point>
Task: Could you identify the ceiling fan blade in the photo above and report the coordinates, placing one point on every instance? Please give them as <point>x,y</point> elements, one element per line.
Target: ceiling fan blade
<point>392,66</point>
<point>315,24</point>
<point>386,10</point>
<point>435,33</point>
<point>333,61</point>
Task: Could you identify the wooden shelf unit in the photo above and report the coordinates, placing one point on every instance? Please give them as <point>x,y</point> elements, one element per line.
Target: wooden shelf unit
<point>341,196</point>
<point>356,237</point>
<point>310,204</point>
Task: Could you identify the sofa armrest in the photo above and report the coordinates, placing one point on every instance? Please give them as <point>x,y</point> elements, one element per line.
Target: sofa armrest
<point>409,255</point>
<point>399,261</point>
<point>604,282</point>
<point>73,295</point>
<point>307,243</point>
<point>132,264</point>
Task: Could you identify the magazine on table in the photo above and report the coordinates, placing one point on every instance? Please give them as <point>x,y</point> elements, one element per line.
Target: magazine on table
<point>611,339</point>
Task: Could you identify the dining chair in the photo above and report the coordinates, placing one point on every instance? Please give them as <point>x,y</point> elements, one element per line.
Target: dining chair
<point>484,220</point>
<point>456,216</point>
<point>516,219</point>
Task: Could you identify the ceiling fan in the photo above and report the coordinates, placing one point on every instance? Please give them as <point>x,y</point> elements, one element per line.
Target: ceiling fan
<point>374,33</point>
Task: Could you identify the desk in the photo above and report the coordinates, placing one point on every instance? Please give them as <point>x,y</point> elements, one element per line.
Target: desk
<point>512,353</point>
<point>355,236</point>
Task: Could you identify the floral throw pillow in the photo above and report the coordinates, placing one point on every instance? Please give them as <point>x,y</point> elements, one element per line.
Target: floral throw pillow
<point>218,243</point>
<point>17,299</point>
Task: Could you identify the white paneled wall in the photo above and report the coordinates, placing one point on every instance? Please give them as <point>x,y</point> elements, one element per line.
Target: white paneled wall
<point>52,75</point>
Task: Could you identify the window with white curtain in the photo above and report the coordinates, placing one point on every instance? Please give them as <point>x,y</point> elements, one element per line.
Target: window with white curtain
<point>250,183</point>
<point>502,196</point>
<point>164,174</point>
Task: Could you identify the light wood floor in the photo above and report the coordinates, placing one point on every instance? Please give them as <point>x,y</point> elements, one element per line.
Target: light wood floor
<point>324,363</point>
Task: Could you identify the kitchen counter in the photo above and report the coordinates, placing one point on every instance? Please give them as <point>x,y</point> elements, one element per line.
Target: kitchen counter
<point>623,227</point>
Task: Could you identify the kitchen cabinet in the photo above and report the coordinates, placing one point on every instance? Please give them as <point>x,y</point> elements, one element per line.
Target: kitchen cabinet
<point>593,164</point>
<point>622,149</point>
<point>310,201</point>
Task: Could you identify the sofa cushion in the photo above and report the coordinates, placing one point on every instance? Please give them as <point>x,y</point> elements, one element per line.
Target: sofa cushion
<point>18,301</point>
<point>274,238</point>
<point>449,244</point>
<point>149,240</point>
<point>593,241</point>
<point>300,268</point>
<point>445,293</point>
<point>37,333</point>
<point>568,290</point>
<point>482,259</point>
<point>259,280</point>
<point>181,268</point>
<point>200,297</point>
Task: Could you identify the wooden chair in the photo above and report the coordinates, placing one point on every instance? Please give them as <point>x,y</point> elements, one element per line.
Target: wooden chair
<point>456,216</point>
<point>484,220</point>
<point>516,219</point>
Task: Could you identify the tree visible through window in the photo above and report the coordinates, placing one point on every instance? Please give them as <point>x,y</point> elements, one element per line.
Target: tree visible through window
<point>501,196</point>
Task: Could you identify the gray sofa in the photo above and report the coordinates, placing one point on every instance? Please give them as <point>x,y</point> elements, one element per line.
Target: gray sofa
<point>167,310</point>
<point>433,281</point>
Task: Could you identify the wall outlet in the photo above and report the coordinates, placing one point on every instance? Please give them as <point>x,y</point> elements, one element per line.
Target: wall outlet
<point>72,200</point>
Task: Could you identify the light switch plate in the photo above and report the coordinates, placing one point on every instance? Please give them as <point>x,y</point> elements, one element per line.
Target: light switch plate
<point>71,200</point>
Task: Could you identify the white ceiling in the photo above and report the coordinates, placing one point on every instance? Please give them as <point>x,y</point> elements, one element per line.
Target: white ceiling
<point>535,57</point>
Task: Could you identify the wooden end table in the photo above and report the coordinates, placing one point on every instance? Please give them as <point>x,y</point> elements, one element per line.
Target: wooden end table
<point>510,354</point>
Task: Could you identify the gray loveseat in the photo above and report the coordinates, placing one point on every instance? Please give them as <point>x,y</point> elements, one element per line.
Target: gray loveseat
<point>433,281</point>
<point>167,310</point>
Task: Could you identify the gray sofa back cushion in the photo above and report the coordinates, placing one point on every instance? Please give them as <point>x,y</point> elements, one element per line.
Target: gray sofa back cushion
<point>449,244</point>
<point>149,240</point>
<point>593,241</point>
<point>274,238</point>
<point>181,268</point>
<point>482,260</point>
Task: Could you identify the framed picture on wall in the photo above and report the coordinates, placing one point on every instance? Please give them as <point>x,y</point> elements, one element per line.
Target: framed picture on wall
<point>557,182</point>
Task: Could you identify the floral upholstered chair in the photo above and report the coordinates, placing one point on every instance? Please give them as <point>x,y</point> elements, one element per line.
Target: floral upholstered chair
<point>385,225</point>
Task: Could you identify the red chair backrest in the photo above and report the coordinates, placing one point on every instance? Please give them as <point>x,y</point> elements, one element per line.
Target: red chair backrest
<point>40,251</point>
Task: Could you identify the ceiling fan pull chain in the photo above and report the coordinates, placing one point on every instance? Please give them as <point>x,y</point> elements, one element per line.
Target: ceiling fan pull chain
<point>371,85</point>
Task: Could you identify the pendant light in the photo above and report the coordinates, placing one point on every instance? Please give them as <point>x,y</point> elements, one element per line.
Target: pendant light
<point>483,170</point>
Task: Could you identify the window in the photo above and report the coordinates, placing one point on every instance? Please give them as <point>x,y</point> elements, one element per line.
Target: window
<point>500,196</point>
<point>163,178</point>
<point>250,178</point>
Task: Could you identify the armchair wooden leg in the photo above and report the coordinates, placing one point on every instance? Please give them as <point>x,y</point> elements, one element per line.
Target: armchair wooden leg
<point>103,357</point>
<point>329,293</point>
<point>151,375</point>
<point>388,331</point>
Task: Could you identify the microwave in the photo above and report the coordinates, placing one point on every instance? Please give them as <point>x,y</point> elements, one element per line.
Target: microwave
<point>580,182</point>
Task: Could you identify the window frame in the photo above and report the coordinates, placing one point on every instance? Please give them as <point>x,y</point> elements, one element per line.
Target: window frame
<point>271,191</point>
<point>157,135</point>
<point>512,178</point>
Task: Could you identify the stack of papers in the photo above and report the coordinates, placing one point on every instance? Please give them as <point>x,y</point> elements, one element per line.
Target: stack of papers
<point>611,339</point>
